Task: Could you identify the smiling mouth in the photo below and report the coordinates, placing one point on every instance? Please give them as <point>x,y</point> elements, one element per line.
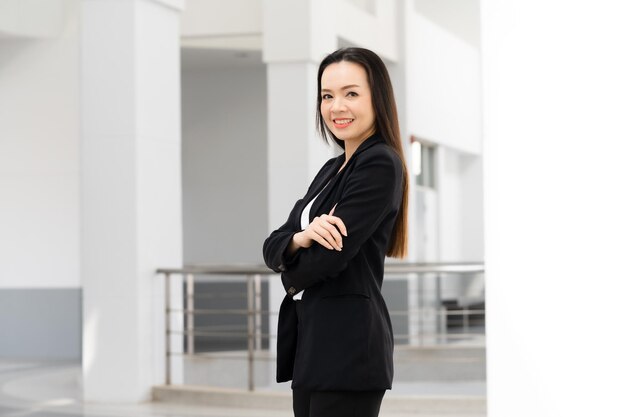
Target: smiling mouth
<point>341,123</point>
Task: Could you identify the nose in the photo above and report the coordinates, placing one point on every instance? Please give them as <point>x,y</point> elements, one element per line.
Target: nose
<point>338,105</point>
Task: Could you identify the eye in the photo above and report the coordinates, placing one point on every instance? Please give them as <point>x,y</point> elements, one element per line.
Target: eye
<point>326,96</point>
<point>352,94</point>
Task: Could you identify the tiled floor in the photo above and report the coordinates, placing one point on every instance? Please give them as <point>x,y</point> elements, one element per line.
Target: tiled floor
<point>52,389</point>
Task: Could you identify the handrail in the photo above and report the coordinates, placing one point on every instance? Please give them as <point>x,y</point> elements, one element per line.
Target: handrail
<point>253,274</point>
<point>390,267</point>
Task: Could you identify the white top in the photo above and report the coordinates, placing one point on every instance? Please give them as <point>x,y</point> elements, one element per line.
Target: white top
<point>304,222</point>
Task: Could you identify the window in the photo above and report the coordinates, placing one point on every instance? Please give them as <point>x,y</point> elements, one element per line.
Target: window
<point>423,162</point>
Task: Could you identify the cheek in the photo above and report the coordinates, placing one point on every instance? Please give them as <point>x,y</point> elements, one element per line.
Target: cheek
<point>370,112</point>
<point>325,110</point>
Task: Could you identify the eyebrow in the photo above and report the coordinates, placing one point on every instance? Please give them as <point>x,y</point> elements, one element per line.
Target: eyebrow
<point>343,88</point>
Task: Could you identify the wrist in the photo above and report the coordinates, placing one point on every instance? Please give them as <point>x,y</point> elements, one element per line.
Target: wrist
<point>301,240</point>
<point>297,240</point>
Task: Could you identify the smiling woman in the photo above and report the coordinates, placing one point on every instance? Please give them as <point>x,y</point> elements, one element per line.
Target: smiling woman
<point>347,104</point>
<point>335,341</point>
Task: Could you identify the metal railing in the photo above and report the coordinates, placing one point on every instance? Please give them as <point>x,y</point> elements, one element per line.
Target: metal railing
<point>253,278</point>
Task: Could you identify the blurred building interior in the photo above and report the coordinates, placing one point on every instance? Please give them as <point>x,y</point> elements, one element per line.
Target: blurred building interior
<point>156,134</point>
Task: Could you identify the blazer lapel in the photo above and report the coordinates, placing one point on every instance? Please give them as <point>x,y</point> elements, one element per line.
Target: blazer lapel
<point>315,190</point>
<point>318,185</point>
<point>326,192</point>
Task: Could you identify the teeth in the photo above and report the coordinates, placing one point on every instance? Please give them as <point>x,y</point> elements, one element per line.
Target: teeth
<point>343,121</point>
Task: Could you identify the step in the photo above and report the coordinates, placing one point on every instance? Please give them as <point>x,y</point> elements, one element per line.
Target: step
<point>474,405</point>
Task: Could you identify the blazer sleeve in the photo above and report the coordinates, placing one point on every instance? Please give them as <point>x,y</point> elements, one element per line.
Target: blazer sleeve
<point>371,192</point>
<point>275,245</point>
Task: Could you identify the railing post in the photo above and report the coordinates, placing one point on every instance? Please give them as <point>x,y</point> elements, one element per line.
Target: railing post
<point>413,304</point>
<point>190,314</point>
<point>466,313</point>
<point>251,332</point>
<point>168,359</point>
<point>438,305</point>
<point>257,308</point>
<point>420,311</point>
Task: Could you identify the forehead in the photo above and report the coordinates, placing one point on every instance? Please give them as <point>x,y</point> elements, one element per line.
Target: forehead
<point>343,73</point>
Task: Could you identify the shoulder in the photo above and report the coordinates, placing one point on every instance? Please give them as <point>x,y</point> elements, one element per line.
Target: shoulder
<point>380,155</point>
<point>380,167</point>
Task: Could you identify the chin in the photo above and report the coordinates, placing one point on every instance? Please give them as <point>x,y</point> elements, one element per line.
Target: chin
<point>342,135</point>
<point>345,138</point>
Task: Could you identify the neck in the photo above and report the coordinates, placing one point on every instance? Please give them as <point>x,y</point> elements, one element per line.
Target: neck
<point>350,146</point>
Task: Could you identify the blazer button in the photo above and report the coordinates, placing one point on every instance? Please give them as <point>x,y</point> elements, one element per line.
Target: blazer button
<point>291,291</point>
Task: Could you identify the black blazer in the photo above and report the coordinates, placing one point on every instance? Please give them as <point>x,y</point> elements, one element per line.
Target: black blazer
<point>340,337</point>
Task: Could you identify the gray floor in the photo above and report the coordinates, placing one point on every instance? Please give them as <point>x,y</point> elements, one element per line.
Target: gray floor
<point>42,389</point>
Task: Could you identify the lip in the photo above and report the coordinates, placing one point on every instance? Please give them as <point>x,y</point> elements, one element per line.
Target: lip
<point>342,125</point>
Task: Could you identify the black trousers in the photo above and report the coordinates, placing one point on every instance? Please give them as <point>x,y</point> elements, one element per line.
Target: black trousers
<point>336,403</point>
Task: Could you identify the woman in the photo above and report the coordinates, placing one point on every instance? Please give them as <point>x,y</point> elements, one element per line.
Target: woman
<point>335,340</point>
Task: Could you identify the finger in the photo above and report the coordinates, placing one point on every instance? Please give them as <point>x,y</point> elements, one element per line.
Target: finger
<point>334,232</point>
<point>324,230</point>
<point>339,223</point>
<point>332,210</point>
<point>319,239</point>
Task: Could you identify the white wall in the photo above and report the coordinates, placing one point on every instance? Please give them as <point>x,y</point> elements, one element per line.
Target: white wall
<point>443,106</point>
<point>459,17</point>
<point>443,86</point>
<point>371,25</point>
<point>34,18</point>
<point>460,216</point>
<point>39,166</point>
<point>460,204</point>
<point>225,209</point>
<point>472,208</point>
<point>555,100</point>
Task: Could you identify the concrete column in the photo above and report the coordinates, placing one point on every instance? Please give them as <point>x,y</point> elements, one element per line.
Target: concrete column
<point>296,36</point>
<point>130,191</point>
<point>295,151</point>
<point>554,105</point>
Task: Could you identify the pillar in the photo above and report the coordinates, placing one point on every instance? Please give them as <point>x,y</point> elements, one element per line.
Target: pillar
<point>296,36</point>
<point>130,191</point>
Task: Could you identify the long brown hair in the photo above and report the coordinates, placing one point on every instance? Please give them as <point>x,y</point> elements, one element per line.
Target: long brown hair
<point>386,116</point>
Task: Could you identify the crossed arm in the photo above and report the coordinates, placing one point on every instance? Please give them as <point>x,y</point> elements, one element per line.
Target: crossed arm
<point>367,199</point>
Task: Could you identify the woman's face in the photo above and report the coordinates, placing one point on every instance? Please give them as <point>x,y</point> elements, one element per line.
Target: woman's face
<point>347,102</point>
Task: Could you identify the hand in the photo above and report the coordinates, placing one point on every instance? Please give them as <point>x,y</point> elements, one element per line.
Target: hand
<point>323,230</point>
